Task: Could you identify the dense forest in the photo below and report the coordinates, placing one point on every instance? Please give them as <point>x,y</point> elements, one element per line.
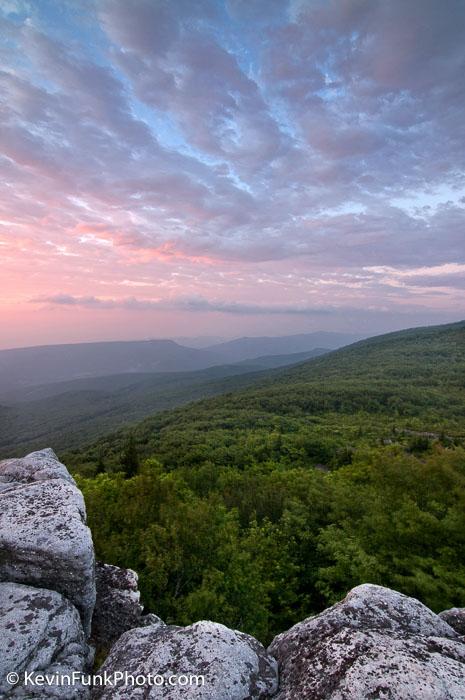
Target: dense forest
<point>261,506</point>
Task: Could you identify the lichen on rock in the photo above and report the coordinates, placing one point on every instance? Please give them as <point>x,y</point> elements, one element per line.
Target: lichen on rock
<point>455,617</point>
<point>234,665</point>
<point>45,542</point>
<point>376,643</point>
<point>41,632</point>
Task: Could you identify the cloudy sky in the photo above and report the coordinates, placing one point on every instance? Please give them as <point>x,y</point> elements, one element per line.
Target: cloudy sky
<point>228,167</point>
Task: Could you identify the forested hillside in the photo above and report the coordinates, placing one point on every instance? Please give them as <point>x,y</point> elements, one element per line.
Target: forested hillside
<point>259,507</point>
<point>71,414</point>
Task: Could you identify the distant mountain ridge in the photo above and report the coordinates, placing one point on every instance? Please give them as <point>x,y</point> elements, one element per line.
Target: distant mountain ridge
<point>27,367</point>
<point>52,363</point>
<point>250,347</point>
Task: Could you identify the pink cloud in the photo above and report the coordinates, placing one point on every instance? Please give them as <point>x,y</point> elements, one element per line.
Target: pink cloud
<point>258,160</point>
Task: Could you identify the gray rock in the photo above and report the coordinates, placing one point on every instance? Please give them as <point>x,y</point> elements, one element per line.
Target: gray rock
<point>376,643</point>
<point>36,466</point>
<point>40,632</point>
<point>117,608</point>
<point>44,541</point>
<point>455,617</point>
<point>234,665</point>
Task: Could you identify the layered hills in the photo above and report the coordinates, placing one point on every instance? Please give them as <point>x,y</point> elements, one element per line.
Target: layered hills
<point>260,506</point>
<point>22,369</point>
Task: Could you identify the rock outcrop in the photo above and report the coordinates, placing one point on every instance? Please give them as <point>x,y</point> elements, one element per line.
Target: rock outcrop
<point>44,539</point>
<point>376,643</point>
<point>47,579</point>
<point>234,665</point>
<point>118,606</point>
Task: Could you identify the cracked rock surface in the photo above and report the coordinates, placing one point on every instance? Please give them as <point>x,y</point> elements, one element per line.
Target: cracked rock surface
<point>118,606</point>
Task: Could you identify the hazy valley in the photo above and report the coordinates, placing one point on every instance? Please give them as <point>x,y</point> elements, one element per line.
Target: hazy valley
<point>67,395</point>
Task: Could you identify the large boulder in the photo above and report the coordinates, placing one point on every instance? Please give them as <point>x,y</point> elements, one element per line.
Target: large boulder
<point>234,666</point>
<point>40,632</point>
<point>44,540</point>
<point>376,643</point>
<point>117,608</point>
<point>455,617</point>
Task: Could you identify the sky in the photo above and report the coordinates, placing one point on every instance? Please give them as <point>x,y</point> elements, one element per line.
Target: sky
<point>230,167</point>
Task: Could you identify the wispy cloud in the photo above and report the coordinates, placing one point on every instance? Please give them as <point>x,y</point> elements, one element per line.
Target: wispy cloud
<point>198,304</point>
<point>197,148</point>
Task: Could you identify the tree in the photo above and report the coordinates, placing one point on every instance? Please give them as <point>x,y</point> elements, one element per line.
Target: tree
<point>100,467</point>
<point>130,458</point>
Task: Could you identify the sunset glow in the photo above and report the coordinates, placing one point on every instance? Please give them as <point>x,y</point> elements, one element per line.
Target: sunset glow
<point>230,167</point>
